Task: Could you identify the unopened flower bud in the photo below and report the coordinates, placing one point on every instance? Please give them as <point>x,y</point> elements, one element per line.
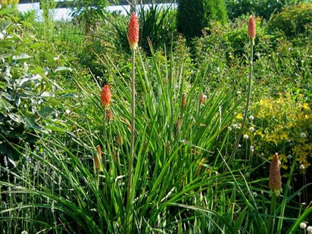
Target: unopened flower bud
<point>252,27</point>
<point>303,225</point>
<point>275,181</point>
<point>202,98</point>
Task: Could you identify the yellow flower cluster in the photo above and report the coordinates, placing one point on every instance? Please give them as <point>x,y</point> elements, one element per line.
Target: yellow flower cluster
<point>282,125</point>
<point>9,2</point>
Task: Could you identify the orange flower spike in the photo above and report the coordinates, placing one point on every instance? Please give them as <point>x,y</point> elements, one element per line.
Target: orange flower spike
<point>97,163</point>
<point>133,31</point>
<point>275,181</point>
<point>106,95</point>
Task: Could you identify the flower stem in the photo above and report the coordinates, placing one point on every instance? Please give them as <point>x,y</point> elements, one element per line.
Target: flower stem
<point>132,127</point>
<point>272,209</point>
<point>247,103</point>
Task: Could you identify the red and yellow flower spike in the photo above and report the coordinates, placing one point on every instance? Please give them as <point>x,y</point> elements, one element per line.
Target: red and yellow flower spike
<point>133,31</point>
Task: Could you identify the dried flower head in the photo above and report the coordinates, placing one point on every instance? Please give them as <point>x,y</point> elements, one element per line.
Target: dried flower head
<point>97,158</point>
<point>252,27</point>
<point>119,140</point>
<point>275,181</point>
<point>109,115</point>
<point>106,95</point>
<point>200,165</point>
<point>183,100</point>
<point>133,31</point>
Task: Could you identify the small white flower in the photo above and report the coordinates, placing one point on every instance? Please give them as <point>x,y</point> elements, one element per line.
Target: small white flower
<point>303,225</point>
<point>251,117</point>
<point>289,156</point>
<point>255,194</point>
<point>252,148</point>
<point>303,135</point>
<point>239,145</point>
<point>239,92</point>
<point>24,232</point>
<point>252,129</point>
<point>246,136</point>
<point>236,125</point>
<point>309,229</point>
<point>303,203</point>
<point>302,167</point>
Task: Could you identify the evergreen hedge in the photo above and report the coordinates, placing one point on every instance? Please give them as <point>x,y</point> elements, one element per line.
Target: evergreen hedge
<point>194,15</point>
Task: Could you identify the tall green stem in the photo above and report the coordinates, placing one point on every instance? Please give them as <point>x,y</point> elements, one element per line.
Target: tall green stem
<point>247,103</point>
<point>272,211</point>
<point>132,127</point>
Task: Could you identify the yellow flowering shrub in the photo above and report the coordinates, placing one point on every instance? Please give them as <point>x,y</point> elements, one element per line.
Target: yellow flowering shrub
<point>282,125</point>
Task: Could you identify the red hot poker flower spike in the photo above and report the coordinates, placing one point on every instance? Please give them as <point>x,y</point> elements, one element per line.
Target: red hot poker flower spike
<point>275,181</point>
<point>252,27</point>
<point>133,31</point>
<point>106,95</point>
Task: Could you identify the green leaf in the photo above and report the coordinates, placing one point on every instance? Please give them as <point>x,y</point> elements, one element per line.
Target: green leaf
<point>240,220</point>
<point>37,45</point>
<point>30,122</point>
<point>38,70</point>
<point>45,111</point>
<point>5,106</point>
<point>15,117</point>
<point>21,57</point>
<point>61,69</point>
<point>6,11</point>
<point>2,85</point>
<point>49,57</point>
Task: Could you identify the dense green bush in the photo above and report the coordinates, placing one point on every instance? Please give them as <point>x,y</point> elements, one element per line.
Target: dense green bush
<point>214,10</point>
<point>262,8</point>
<point>190,18</point>
<point>293,20</point>
<point>194,16</point>
<point>26,66</point>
